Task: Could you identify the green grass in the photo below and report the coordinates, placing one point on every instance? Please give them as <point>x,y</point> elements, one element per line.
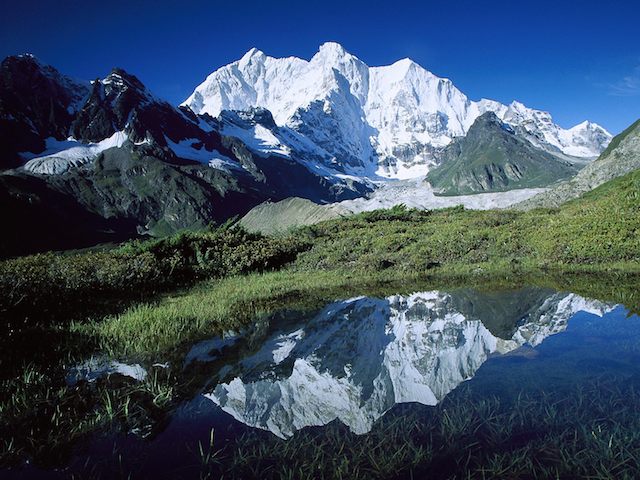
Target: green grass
<point>593,235</point>
<point>50,288</point>
<point>216,305</point>
<point>617,140</point>
<point>596,233</point>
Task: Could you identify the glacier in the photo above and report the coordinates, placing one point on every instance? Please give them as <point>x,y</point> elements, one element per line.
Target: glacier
<point>378,122</point>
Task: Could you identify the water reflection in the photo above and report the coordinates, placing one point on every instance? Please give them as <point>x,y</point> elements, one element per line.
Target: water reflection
<point>356,359</point>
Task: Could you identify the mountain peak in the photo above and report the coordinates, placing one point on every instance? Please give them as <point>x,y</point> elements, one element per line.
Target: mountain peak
<point>28,61</point>
<point>252,53</point>
<point>587,125</point>
<point>332,48</point>
<point>389,116</point>
<point>487,118</point>
<point>332,53</point>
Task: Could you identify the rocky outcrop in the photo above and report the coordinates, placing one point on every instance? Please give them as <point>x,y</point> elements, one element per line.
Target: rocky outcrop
<point>36,102</point>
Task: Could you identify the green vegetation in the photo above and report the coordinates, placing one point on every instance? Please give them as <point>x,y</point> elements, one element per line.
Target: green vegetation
<point>617,140</point>
<point>444,247</point>
<point>52,287</point>
<point>41,418</point>
<point>596,233</point>
<point>153,299</point>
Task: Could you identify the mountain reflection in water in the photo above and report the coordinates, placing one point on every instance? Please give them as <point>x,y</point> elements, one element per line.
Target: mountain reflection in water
<point>357,358</point>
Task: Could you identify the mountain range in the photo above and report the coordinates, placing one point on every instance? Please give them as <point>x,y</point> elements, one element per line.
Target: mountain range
<point>103,160</point>
<point>373,121</point>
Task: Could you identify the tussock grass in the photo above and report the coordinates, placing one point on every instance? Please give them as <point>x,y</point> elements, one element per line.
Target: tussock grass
<point>215,306</point>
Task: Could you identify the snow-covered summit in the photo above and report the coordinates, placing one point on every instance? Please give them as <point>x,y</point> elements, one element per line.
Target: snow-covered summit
<point>385,120</point>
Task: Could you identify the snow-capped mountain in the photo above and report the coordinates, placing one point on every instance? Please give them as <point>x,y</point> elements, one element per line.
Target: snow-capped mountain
<point>357,358</point>
<point>385,121</point>
<point>107,160</point>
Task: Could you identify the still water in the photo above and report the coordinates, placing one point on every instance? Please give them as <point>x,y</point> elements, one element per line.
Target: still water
<point>444,383</point>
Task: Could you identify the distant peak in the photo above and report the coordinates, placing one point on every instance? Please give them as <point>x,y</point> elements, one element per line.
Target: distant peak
<point>25,58</point>
<point>253,52</point>
<point>331,50</point>
<point>119,76</point>
<point>487,117</point>
<point>405,64</point>
<point>518,105</point>
<point>405,61</point>
<point>332,47</point>
<point>587,125</point>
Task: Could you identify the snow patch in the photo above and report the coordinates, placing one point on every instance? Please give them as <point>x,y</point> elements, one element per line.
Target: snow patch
<point>192,149</point>
<point>97,367</point>
<point>69,154</point>
<point>417,193</point>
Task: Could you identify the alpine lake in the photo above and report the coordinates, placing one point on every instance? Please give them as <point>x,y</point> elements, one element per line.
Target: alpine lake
<point>520,381</point>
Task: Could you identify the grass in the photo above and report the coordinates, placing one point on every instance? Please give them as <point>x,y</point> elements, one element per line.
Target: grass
<point>49,288</point>
<point>210,308</point>
<point>41,418</point>
<point>590,433</point>
<point>599,230</point>
<point>438,248</point>
<point>215,306</point>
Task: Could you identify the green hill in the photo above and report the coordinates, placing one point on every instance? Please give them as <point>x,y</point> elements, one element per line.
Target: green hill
<point>493,158</point>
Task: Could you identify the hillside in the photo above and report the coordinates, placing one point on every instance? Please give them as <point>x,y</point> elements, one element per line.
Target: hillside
<point>493,157</point>
<point>621,157</point>
<point>270,217</point>
<point>599,228</point>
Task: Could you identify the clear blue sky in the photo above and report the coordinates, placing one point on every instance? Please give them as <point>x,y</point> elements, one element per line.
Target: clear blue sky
<point>577,59</point>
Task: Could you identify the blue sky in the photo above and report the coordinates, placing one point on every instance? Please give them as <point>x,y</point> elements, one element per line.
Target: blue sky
<point>578,60</point>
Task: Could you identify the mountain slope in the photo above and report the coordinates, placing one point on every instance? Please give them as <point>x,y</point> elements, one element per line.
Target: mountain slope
<point>621,157</point>
<point>387,121</point>
<point>269,217</point>
<point>125,163</point>
<point>492,157</point>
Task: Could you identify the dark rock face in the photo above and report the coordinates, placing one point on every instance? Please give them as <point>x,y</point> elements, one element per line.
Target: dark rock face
<point>121,195</point>
<point>36,102</point>
<point>121,102</point>
<point>493,157</point>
